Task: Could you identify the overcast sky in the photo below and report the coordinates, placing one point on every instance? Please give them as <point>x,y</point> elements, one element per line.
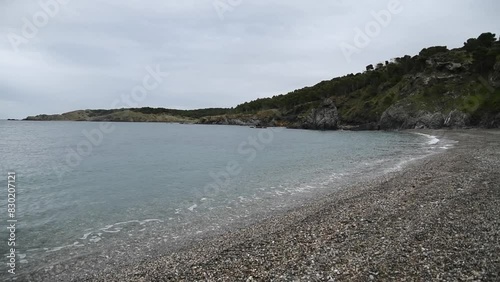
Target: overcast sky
<point>87,54</point>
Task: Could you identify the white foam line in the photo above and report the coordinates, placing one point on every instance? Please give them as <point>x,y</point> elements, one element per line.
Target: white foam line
<point>433,139</point>
<point>97,238</point>
<point>150,220</point>
<point>398,167</point>
<point>127,222</point>
<point>85,236</point>
<point>75,244</point>
<point>55,249</point>
<point>110,231</point>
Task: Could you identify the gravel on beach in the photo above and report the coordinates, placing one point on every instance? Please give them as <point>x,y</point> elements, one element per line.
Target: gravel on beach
<point>436,220</point>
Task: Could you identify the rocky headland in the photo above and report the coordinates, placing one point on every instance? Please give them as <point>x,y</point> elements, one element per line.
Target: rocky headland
<point>438,88</point>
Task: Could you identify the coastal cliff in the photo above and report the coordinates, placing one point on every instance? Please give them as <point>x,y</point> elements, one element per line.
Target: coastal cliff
<point>438,88</point>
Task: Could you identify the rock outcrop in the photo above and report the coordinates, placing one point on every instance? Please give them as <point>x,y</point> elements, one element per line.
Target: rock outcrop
<point>457,119</point>
<point>325,117</point>
<point>227,120</point>
<point>402,116</point>
<point>395,117</point>
<point>429,120</point>
<point>490,121</point>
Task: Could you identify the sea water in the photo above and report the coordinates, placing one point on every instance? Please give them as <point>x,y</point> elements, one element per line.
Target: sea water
<point>122,191</point>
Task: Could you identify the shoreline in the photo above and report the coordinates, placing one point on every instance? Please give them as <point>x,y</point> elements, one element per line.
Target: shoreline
<point>305,243</point>
<point>343,127</point>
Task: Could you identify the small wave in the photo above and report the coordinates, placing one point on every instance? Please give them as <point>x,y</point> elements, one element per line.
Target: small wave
<point>85,236</point>
<point>75,244</point>
<point>433,139</point>
<point>96,236</point>
<point>397,167</point>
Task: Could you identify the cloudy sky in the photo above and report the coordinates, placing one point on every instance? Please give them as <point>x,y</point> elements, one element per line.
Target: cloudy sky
<point>73,54</point>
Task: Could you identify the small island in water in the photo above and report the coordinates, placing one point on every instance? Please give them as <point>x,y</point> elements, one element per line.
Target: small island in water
<point>438,88</point>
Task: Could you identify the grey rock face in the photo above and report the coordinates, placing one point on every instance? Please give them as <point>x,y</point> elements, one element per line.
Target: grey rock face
<point>445,65</point>
<point>453,66</point>
<point>496,122</point>
<point>224,120</point>
<point>429,120</point>
<point>456,119</point>
<point>490,120</point>
<point>325,117</point>
<point>402,117</point>
<point>395,117</point>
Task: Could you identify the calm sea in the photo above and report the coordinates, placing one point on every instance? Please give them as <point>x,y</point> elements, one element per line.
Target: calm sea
<point>122,191</point>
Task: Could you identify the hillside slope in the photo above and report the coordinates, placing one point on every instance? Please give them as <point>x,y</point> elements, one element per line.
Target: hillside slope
<point>434,89</point>
<point>145,114</point>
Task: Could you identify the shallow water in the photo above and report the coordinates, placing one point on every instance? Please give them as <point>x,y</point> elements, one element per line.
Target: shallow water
<point>84,189</point>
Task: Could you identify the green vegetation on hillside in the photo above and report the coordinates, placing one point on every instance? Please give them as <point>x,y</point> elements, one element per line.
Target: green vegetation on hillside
<point>462,82</point>
<point>146,114</point>
<point>435,79</point>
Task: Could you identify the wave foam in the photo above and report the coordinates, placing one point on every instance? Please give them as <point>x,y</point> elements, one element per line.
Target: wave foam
<point>433,139</point>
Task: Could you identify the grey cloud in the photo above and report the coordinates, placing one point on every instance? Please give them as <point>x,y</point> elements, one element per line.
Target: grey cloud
<point>93,51</point>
